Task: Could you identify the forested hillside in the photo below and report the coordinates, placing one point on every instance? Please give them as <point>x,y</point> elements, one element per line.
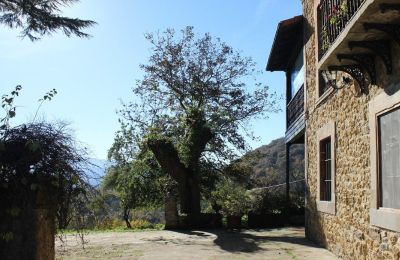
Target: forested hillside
<point>268,163</point>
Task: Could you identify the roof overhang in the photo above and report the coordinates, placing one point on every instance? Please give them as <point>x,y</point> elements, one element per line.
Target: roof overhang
<point>288,37</point>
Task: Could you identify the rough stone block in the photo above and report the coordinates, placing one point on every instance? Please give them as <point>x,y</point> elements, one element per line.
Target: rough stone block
<point>384,247</point>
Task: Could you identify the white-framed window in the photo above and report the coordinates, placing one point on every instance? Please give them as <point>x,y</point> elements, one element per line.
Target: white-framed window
<point>384,120</point>
<point>326,168</point>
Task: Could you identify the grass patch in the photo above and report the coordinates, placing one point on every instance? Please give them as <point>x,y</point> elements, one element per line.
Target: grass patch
<point>291,254</point>
<point>114,229</point>
<point>99,252</point>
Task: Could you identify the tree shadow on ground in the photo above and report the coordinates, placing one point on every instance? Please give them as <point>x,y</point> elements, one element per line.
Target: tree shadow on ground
<point>236,241</point>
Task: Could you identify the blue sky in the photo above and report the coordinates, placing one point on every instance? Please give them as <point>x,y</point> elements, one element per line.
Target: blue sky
<point>93,75</point>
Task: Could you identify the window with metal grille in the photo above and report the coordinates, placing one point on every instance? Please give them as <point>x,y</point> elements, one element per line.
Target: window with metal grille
<point>389,159</point>
<point>325,170</point>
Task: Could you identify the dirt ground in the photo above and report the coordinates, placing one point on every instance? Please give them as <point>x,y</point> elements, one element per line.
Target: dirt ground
<point>284,243</point>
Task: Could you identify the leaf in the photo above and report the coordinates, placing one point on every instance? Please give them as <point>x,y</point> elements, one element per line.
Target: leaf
<point>74,179</point>
<point>33,146</point>
<point>11,114</point>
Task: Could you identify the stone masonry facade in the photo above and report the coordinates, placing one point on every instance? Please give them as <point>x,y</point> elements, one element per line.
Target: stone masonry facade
<point>348,232</point>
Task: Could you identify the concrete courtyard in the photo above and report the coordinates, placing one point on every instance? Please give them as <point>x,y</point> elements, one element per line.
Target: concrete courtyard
<point>283,243</point>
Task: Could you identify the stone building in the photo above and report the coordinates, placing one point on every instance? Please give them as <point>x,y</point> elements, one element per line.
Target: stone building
<point>350,121</point>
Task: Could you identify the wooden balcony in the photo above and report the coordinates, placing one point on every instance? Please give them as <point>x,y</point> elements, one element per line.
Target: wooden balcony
<point>352,33</point>
<point>295,116</point>
<point>295,108</point>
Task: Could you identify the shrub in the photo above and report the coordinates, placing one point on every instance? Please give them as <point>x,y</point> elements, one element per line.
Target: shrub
<point>273,201</point>
<point>233,199</point>
<point>141,224</point>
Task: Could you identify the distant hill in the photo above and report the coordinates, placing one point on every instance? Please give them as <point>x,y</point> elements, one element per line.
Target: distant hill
<point>97,170</point>
<point>268,163</point>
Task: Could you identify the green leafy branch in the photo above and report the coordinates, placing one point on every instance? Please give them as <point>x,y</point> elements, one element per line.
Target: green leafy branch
<point>48,96</point>
<point>7,103</point>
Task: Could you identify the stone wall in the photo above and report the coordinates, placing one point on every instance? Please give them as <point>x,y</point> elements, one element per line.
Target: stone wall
<point>348,233</point>
<point>27,226</point>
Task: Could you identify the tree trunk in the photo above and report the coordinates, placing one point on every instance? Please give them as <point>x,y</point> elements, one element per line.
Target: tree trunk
<point>167,156</point>
<point>194,197</point>
<point>184,169</point>
<point>126,218</point>
<point>184,194</point>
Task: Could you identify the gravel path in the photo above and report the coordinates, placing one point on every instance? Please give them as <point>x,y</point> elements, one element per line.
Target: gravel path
<point>284,243</point>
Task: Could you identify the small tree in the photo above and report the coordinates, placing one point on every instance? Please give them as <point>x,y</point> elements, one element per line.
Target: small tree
<point>138,183</point>
<point>192,107</point>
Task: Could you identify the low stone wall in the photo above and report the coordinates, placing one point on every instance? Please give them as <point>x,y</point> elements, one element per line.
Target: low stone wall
<point>27,227</point>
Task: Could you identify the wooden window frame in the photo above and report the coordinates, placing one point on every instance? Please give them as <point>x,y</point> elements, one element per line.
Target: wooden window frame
<point>325,132</point>
<point>387,218</point>
<point>325,170</point>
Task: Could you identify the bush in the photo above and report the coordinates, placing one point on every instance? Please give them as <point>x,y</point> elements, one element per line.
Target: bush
<point>273,201</point>
<point>141,224</point>
<point>233,199</point>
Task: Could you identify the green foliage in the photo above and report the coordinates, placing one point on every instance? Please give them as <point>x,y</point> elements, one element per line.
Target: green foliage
<point>40,17</point>
<point>268,164</point>
<point>233,199</point>
<point>137,183</point>
<point>191,82</point>
<point>48,96</point>
<point>191,109</point>
<point>268,177</point>
<point>40,167</point>
<point>7,237</point>
<point>273,201</point>
<point>7,103</point>
<point>268,201</point>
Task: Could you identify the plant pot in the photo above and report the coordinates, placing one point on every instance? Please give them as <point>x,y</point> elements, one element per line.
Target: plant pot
<point>233,221</point>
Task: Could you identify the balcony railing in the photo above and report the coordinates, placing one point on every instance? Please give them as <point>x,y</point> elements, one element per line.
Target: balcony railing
<point>333,16</point>
<point>295,108</point>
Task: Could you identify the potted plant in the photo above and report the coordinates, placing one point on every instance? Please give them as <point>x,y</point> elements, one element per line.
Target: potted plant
<point>234,201</point>
<point>338,15</point>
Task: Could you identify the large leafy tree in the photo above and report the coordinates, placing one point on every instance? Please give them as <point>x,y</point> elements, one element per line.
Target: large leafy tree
<point>192,108</point>
<point>37,18</point>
